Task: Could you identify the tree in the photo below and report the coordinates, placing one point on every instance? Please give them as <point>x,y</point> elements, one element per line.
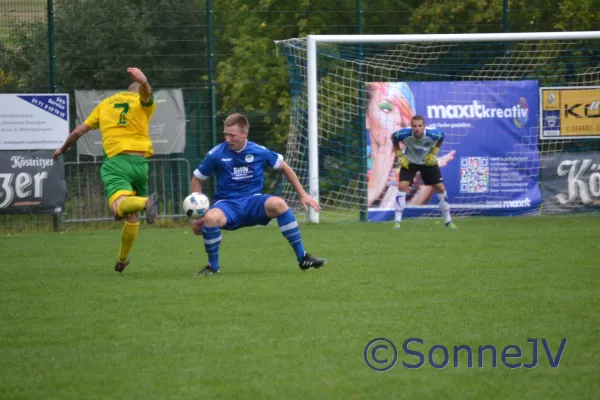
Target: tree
<point>7,80</point>
<point>253,77</point>
<point>480,16</point>
<point>95,40</point>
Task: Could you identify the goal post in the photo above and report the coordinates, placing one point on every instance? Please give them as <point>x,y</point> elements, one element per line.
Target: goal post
<point>348,62</point>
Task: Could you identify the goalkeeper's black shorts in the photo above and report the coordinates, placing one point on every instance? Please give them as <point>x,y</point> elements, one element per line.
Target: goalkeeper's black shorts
<point>431,175</point>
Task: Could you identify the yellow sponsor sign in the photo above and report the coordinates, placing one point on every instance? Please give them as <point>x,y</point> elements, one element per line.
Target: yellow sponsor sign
<point>570,112</point>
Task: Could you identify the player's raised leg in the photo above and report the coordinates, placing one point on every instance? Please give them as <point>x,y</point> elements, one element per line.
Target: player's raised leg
<point>128,174</point>
<point>276,207</point>
<point>210,226</point>
<point>116,176</point>
<point>125,181</point>
<point>133,204</point>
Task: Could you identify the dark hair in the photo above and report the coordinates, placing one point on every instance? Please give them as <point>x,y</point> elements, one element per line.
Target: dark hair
<point>418,117</point>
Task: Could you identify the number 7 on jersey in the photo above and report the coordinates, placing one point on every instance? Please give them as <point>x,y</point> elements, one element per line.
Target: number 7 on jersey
<point>122,116</point>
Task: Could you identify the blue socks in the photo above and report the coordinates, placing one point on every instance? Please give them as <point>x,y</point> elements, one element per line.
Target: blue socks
<point>289,228</point>
<point>287,225</point>
<point>212,241</point>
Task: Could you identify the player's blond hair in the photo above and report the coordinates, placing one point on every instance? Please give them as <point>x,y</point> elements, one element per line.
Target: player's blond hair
<point>239,120</point>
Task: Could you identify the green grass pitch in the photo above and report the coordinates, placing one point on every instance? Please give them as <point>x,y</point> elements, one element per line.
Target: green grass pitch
<point>72,328</point>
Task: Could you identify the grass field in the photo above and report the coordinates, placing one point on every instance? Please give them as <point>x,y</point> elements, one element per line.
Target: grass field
<point>72,328</point>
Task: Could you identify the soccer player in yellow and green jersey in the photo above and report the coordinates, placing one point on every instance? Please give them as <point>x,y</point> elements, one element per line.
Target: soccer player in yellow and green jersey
<point>123,120</point>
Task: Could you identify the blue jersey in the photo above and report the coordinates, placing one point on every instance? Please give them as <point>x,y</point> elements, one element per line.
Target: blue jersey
<point>417,149</point>
<point>239,173</point>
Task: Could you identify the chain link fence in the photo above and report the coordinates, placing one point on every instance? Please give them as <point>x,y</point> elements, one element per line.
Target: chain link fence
<point>62,46</point>
<point>223,58</point>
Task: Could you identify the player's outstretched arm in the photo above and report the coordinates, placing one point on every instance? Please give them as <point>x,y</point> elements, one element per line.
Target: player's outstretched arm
<point>305,198</point>
<point>196,185</point>
<point>446,158</point>
<point>138,76</point>
<point>72,138</point>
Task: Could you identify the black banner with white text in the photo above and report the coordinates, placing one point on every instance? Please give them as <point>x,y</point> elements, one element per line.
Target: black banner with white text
<point>570,182</point>
<point>31,182</point>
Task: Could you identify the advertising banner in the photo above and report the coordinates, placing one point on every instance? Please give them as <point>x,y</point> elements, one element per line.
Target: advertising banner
<point>570,112</point>
<point>33,121</point>
<point>489,159</point>
<point>570,182</point>
<point>31,182</point>
<point>167,126</point>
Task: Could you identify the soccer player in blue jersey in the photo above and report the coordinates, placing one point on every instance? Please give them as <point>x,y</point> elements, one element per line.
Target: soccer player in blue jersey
<point>421,148</point>
<point>238,165</point>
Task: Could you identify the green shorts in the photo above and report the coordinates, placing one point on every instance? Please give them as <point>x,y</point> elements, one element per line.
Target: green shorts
<point>124,174</point>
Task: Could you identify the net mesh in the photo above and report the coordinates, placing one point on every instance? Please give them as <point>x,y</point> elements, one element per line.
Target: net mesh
<point>358,175</point>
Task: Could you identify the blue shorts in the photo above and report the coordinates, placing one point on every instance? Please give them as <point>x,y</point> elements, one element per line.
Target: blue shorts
<point>244,211</point>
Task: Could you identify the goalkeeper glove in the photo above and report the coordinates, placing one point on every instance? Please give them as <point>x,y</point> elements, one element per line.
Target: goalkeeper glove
<point>431,158</point>
<point>402,160</point>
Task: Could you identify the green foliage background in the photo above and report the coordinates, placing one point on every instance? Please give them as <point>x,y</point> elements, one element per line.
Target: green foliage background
<point>95,40</point>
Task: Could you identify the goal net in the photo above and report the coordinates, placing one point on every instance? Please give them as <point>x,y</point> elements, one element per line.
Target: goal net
<point>520,113</point>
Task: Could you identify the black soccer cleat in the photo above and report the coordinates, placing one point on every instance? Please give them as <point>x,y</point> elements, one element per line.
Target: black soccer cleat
<point>120,266</point>
<point>311,262</point>
<point>208,270</point>
<point>151,208</point>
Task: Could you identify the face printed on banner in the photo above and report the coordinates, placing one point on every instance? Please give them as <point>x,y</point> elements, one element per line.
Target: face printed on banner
<point>390,107</point>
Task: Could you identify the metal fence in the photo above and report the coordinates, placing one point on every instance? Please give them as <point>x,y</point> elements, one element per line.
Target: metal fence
<point>86,205</point>
<point>222,55</point>
<point>86,200</point>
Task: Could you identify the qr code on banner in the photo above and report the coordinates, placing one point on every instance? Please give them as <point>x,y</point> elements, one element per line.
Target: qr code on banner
<point>474,175</point>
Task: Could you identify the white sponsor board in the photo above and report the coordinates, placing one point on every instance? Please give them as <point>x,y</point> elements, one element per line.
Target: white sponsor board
<point>33,121</point>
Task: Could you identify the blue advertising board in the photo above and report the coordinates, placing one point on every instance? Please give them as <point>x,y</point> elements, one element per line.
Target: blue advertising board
<point>489,159</point>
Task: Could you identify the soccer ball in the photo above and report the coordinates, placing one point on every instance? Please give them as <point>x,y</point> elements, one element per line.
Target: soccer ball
<point>196,205</point>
